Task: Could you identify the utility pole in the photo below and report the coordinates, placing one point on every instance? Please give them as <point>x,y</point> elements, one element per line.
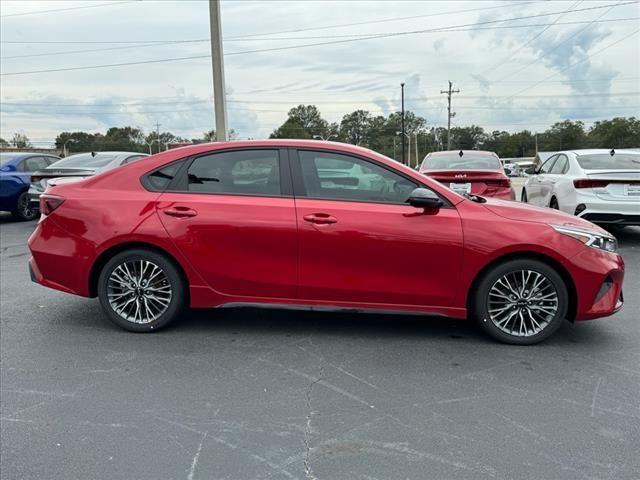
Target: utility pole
<point>416,139</point>
<point>157,136</point>
<point>449,114</point>
<point>217,64</point>
<point>402,120</point>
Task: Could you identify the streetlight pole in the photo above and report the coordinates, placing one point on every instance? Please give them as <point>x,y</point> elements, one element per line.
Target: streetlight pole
<point>217,64</point>
<point>402,120</point>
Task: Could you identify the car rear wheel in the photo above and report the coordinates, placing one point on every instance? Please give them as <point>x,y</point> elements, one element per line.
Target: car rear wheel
<point>24,210</point>
<point>141,290</point>
<point>521,302</point>
<point>523,196</point>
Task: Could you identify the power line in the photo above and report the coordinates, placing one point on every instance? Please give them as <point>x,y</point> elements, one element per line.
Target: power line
<point>528,42</point>
<point>413,17</point>
<point>194,57</point>
<point>66,9</point>
<point>547,52</point>
<point>363,36</point>
<point>574,64</point>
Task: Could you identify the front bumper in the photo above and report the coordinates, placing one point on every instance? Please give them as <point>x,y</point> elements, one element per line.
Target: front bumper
<point>598,277</point>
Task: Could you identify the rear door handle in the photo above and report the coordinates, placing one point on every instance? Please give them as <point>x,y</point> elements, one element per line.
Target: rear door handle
<point>320,218</point>
<point>180,212</point>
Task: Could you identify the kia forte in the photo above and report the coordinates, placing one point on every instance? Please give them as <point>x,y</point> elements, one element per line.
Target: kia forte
<point>316,225</point>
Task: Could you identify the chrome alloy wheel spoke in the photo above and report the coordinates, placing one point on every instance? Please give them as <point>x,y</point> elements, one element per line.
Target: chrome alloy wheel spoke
<point>522,303</point>
<point>139,291</point>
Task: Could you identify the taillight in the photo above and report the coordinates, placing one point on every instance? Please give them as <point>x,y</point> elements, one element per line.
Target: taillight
<point>48,203</point>
<point>588,183</point>
<point>499,183</point>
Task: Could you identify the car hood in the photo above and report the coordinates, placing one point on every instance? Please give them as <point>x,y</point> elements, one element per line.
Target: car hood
<point>530,213</point>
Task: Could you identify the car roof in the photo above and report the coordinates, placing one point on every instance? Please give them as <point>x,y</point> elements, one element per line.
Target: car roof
<point>595,151</point>
<point>457,152</point>
<point>273,143</point>
<point>21,155</point>
<point>110,153</point>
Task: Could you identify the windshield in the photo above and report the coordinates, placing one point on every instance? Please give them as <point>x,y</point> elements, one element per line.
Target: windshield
<point>468,161</point>
<point>85,160</point>
<point>605,161</point>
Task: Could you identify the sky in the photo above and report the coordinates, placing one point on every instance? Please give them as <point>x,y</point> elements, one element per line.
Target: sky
<point>573,59</point>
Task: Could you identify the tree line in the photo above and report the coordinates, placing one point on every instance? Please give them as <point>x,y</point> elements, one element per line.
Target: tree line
<point>383,134</point>
<point>377,132</point>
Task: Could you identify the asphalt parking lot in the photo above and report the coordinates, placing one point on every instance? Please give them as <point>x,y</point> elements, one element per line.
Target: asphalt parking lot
<point>250,394</point>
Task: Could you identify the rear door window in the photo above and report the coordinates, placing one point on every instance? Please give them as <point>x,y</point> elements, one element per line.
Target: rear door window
<point>548,165</point>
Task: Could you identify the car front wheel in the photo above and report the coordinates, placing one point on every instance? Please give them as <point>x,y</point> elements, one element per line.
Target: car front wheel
<point>521,302</point>
<point>141,290</point>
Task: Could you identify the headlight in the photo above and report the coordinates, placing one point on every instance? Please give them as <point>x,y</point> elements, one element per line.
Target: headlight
<point>590,238</point>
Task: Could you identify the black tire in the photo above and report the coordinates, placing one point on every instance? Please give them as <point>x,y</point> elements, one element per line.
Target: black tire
<point>523,196</point>
<point>554,203</point>
<point>170,279</point>
<point>24,211</point>
<point>481,300</point>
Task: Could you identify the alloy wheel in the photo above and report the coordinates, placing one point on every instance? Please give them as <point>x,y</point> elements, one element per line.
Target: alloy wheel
<point>522,303</point>
<point>139,291</point>
<point>25,207</point>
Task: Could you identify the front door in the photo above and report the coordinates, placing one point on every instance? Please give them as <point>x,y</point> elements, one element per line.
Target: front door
<point>234,220</point>
<point>359,240</point>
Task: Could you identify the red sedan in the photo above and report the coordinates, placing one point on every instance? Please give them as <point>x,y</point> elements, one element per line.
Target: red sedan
<point>469,171</point>
<point>318,225</point>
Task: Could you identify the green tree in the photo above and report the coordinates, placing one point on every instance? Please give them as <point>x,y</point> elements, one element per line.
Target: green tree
<point>615,133</point>
<point>563,136</point>
<point>20,140</point>
<point>210,136</point>
<point>355,127</point>
<point>3,142</point>
<point>291,128</point>
<point>76,141</point>
<point>128,139</point>
<point>467,138</point>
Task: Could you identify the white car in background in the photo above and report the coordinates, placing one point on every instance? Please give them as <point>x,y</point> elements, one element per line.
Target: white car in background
<point>602,186</point>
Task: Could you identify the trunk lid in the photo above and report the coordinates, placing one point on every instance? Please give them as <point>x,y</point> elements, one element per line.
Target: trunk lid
<point>475,182</point>
<point>40,179</point>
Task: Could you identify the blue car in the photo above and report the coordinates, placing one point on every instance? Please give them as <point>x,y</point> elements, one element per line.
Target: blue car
<point>15,177</point>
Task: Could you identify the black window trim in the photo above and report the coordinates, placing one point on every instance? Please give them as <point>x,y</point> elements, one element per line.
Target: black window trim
<point>179,183</point>
<point>300,190</point>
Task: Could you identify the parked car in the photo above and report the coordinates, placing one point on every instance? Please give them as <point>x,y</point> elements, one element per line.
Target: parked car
<point>469,171</point>
<point>15,175</point>
<point>602,186</point>
<point>184,228</point>
<point>80,165</point>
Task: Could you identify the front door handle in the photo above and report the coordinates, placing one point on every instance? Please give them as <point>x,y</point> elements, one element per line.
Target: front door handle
<point>320,218</point>
<point>180,212</point>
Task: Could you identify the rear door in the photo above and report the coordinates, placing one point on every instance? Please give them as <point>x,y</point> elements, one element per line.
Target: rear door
<point>360,242</point>
<point>232,214</point>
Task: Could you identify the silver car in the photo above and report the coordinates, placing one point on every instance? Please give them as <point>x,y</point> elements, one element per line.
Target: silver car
<point>599,185</point>
<point>79,166</point>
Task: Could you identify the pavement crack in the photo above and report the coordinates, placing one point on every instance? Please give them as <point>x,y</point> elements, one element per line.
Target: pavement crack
<point>196,457</point>
<point>308,471</point>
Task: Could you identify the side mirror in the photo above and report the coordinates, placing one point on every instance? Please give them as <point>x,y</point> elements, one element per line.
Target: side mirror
<point>531,171</point>
<point>424,198</point>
